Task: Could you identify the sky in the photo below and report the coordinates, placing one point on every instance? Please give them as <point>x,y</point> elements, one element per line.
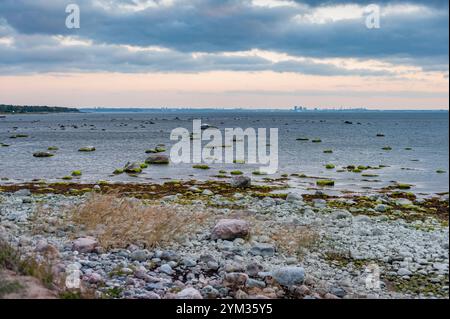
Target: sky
<point>226,54</point>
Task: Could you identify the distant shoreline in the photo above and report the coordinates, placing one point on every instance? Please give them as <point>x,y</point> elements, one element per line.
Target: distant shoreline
<point>28,109</point>
<point>146,110</point>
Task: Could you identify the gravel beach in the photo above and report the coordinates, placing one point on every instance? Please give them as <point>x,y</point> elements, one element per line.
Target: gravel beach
<point>338,249</point>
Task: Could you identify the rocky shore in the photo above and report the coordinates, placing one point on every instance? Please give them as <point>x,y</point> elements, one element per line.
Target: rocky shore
<point>250,244</point>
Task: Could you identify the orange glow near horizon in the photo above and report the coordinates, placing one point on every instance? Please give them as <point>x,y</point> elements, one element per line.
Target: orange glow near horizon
<point>225,89</point>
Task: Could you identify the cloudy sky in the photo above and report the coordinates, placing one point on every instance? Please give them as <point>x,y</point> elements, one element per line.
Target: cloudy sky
<point>225,53</point>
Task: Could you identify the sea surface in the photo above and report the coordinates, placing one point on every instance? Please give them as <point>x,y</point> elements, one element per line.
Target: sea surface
<point>419,142</point>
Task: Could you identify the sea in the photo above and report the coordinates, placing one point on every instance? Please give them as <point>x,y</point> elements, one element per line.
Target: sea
<point>417,145</point>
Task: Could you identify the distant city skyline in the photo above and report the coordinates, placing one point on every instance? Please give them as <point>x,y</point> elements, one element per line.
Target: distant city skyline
<point>265,54</point>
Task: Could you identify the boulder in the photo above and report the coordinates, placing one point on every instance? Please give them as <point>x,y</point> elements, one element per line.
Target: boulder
<point>87,149</point>
<point>229,229</point>
<point>133,168</point>
<point>241,182</point>
<point>84,244</point>
<point>158,159</point>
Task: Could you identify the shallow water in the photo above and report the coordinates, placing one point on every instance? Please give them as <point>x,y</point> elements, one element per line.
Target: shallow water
<point>123,137</point>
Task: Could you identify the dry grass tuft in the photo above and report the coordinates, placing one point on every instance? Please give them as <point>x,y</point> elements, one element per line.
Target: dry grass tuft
<point>12,259</point>
<point>295,240</point>
<point>117,222</point>
<point>290,239</point>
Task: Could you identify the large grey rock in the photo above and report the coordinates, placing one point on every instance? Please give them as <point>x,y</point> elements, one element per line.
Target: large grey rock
<point>289,276</point>
<point>241,182</point>
<point>229,229</point>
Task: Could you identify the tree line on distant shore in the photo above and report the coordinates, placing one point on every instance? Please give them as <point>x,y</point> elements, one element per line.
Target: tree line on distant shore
<point>35,109</point>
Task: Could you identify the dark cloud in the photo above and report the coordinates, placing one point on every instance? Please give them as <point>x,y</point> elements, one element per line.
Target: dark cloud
<point>227,25</point>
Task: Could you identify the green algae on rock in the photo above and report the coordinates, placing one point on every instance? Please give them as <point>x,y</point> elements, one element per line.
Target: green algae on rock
<point>87,149</point>
<point>325,182</point>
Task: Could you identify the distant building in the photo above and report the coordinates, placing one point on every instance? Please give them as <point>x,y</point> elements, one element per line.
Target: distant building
<point>300,108</point>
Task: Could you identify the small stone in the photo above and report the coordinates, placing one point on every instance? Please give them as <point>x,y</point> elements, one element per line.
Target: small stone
<point>302,291</point>
<point>289,276</point>
<point>338,291</point>
<point>240,295</point>
<point>381,208</point>
<point>253,269</point>
<point>207,192</point>
<point>94,278</point>
<point>189,293</point>
<point>265,250</point>
<point>140,255</point>
<point>235,279</point>
<point>187,262</point>
<point>342,214</point>
<point>293,198</point>
<point>210,292</point>
<point>404,272</point>
<point>166,269</point>
<point>403,202</point>
<point>362,219</point>
<point>27,200</point>
<point>319,203</point>
<point>169,255</point>
<point>253,283</point>
<point>212,266</point>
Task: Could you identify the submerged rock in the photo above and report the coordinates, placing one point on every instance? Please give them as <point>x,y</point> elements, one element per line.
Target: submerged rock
<point>158,159</point>
<point>87,149</point>
<point>43,154</point>
<point>133,168</point>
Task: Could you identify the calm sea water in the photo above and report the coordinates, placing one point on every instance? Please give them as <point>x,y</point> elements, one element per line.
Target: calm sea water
<point>123,137</point>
